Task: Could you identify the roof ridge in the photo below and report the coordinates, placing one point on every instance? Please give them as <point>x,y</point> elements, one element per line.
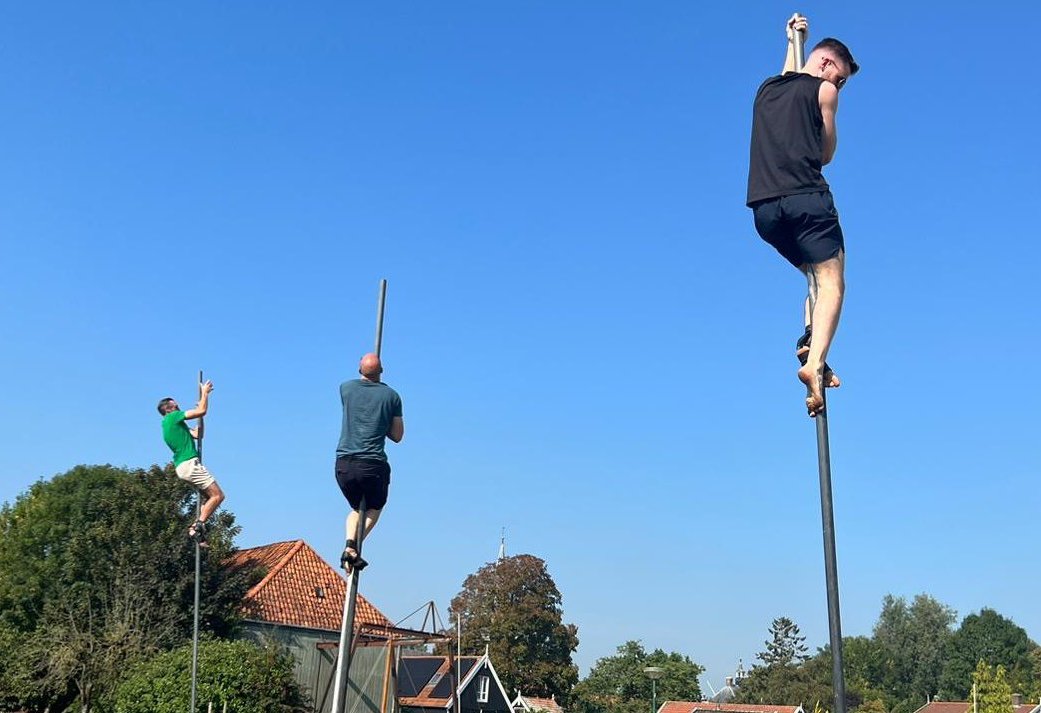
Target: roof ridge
<point>279,566</point>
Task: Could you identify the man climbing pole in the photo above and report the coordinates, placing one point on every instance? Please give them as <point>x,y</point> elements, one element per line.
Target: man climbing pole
<point>181,440</point>
<point>793,137</point>
<point>371,414</point>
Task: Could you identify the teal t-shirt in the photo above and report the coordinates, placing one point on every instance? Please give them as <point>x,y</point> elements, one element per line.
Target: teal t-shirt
<point>368,409</point>
<point>178,437</point>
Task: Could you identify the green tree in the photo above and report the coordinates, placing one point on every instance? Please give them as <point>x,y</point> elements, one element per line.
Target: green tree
<point>993,693</point>
<point>786,645</point>
<point>912,639</point>
<point>991,638</point>
<point>619,684</point>
<point>246,677</point>
<point>96,571</point>
<point>513,607</point>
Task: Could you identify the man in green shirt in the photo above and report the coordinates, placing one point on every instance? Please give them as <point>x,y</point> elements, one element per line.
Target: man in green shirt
<point>181,441</point>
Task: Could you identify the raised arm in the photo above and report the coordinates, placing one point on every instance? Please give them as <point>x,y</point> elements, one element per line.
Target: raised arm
<point>204,399</point>
<point>796,23</point>
<point>828,96</point>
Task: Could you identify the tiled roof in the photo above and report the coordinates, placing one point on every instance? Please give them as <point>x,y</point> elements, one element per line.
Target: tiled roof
<point>300,589</point>
<point>964,707</point>
<point>531,703</point>
<point>708,706</point>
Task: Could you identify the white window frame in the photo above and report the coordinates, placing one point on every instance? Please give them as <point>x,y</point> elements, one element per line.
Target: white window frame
<point>484,685</point>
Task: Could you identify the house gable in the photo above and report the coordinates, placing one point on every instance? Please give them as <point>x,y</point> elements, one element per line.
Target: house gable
<point>300,589</point>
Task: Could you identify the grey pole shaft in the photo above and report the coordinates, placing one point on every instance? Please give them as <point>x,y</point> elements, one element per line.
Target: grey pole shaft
<point>379,316</point>
<point>198,572</point>
<point>799,42</point>
<point>831,568</point>
<point>343,657</point>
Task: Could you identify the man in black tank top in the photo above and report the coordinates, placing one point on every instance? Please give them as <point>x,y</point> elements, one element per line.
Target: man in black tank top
<point>793,137</point>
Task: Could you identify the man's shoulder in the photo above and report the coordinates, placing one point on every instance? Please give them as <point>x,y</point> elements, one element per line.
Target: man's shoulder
<point>173,417</point>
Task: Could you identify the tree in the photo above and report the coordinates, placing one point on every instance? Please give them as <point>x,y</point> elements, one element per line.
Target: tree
<point>991,638</point>
<point>785,646</point>
<point>96,571</point>
<point>912,640</point>
<point>513,607</point>
<point>993,693</point>
<point>246,677</point>
<point>618,684</point>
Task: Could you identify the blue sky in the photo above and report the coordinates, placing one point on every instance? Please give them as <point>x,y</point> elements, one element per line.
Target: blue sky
<point>593,346</point>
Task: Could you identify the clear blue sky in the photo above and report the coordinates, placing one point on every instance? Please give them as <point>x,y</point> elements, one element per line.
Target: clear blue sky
<point>593,346</point>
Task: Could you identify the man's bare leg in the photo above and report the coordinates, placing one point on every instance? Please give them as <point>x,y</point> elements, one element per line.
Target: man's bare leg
<point>831,379</point>
<point>827,286</point>
<point>351,526</point>
<point>214,497</point>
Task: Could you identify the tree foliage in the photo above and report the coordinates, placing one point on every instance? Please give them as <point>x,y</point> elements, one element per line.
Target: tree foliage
<point>991,638</point>
<point>96,571</point>
<point>993,692</point>
<point>513,607</point>
<point>786,645</point>
<point>912,639</point>
<point>246,677</point>
<point>619,684</point>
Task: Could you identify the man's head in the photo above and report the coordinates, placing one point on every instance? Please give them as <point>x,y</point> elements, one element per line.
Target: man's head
<point>832,60</point>
<point>370,367</point>
<point>167,405</point>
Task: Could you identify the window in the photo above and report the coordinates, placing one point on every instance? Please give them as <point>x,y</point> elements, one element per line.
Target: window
<point>483,684</point>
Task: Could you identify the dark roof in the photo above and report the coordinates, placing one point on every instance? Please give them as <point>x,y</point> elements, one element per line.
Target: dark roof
<point>424,681</point>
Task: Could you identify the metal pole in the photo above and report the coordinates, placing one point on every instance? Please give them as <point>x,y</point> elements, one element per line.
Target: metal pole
<point>831,568</point>
<point>198,571</point>
<point>379,316</point>
<point>799,42</point>
<point>343,657</point>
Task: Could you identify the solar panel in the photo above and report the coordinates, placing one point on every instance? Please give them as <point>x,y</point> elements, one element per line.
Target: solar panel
<point>415,673</point>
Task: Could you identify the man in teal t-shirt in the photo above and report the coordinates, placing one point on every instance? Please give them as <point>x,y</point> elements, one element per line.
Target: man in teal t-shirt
<point>181,441</point>
<point>371,415</point>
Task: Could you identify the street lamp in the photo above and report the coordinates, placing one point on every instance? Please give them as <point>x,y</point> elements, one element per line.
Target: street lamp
<point>654,673</point>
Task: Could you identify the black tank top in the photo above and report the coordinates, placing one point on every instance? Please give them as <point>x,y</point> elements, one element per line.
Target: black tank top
<point>787,138</point>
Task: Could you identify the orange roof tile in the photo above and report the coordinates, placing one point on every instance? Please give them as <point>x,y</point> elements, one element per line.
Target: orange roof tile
<point>709,706</point>
<point>300,589</point>
<point>535,704</point>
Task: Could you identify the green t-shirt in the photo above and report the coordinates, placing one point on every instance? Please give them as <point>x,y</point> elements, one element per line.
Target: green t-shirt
<point>178,437</point>
<point>368,409</point>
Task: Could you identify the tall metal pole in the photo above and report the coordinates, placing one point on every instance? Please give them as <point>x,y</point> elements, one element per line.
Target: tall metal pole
<point>198,570</point>
<point>344,652</point>
<point>799,41</point>
<point>831,568</point>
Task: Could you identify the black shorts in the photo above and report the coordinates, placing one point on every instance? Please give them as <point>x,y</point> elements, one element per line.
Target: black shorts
<point>367,478</point>
<point>804,227</point>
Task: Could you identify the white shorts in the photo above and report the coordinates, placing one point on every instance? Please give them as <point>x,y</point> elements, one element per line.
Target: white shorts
<point>195,473</point>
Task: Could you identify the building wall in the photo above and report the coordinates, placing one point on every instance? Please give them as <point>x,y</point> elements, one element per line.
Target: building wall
<point>316,667</point>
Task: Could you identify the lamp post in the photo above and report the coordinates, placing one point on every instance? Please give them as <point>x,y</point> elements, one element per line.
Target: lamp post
<point>654,673</point>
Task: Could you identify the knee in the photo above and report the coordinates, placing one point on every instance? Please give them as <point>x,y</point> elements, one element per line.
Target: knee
<point>215,493</point>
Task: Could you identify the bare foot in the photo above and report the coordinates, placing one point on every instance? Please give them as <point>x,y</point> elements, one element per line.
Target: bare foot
<point>831,379</point>
<point>813,380</point>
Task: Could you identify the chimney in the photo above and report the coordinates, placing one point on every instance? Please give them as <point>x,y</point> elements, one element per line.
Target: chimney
<point>1017,699</point>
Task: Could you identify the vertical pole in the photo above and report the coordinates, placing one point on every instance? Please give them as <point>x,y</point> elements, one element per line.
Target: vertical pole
<point>799,43</point>
<point>343,657</point>
<point>831,569</point>
<point>198,571</point>
<point>379,316</point>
